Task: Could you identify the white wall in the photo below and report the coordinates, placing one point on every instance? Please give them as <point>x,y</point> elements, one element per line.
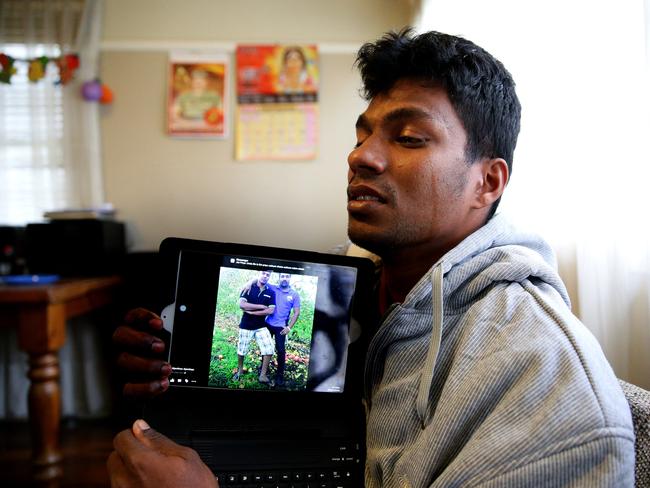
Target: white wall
<point>162,186</point>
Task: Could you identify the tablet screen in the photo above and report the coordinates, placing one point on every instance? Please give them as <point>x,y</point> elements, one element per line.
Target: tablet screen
<point>257,323</point>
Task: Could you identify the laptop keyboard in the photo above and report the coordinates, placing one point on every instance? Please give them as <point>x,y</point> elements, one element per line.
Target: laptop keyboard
<point>316,478</point>
<point>314,463</point>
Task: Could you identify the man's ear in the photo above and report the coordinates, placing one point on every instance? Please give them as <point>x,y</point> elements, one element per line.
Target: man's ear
<point>492,179</point>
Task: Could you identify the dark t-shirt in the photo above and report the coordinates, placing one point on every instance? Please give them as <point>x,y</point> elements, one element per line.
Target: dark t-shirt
<point>265,297</point>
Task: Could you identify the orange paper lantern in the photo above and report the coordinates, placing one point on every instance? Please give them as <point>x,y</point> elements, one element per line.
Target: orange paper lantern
<point>107,95</point>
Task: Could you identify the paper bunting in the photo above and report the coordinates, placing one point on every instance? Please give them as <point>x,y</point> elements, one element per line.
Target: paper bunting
<point>67,65</point>
<point>8,70</point>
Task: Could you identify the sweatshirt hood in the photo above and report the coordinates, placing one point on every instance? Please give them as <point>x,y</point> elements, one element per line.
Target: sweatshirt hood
<point>495,253</point>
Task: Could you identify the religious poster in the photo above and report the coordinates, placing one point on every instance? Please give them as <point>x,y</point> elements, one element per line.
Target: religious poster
<point>197,100</point>
<point>277,102</point>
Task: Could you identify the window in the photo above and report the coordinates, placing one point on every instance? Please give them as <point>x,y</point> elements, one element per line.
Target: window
<point>49,149</point>
<point>32,172</point>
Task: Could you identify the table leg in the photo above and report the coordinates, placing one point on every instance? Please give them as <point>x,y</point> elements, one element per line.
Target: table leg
<point>45,408</point>
<point>41,334</point>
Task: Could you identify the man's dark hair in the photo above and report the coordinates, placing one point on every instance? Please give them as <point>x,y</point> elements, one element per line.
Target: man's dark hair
<point>479,87</point>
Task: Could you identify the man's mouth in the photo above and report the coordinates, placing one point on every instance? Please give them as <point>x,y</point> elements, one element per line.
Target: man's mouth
<point>364,193</point>
<point>364,200</point>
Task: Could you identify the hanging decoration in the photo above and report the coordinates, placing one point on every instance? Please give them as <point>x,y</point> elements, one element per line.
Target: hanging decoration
<point>7,68</point>
<point>96,91</point>
<point>36,67</point>
<point>67,65</point>
<point>107,95</point>
<point>91,90</point>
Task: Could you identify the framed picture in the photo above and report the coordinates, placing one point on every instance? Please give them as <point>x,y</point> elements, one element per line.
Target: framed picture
<point>197,100</point>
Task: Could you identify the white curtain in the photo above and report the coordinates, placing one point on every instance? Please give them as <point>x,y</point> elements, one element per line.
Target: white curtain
<point>83,141</point>
<point>582,163</point>
<point>49,159</point>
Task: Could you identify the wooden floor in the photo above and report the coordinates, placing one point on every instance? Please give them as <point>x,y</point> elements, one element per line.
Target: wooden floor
<point>85,445</point>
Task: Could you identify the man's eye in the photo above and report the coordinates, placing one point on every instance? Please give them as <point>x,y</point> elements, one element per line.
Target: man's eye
<point>358,144</point>
<point>409,141</point>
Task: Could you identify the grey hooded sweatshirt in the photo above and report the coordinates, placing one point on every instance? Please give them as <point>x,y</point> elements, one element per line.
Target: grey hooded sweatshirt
<point>483,377</point>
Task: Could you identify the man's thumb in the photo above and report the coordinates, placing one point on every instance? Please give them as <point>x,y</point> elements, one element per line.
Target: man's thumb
<point>150,437</point>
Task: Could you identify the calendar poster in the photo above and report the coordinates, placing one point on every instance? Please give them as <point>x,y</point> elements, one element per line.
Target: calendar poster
<point>197,94</point>
<point>277,102</point>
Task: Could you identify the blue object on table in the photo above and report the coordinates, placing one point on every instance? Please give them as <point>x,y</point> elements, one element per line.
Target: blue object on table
<point>42,279</point>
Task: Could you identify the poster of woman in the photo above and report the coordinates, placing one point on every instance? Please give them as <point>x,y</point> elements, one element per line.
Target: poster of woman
<point>277,102</point>
<point>295,74</point>
<point>197,95</point>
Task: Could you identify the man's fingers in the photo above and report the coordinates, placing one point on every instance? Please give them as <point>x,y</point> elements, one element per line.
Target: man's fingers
<point>132,452</point>
<point>156,441</point>
<point>137,364</point>
<point>152,388</point>
<point>125,444</point>
<point>114,463</point>
<point>143,316</point>
<point>135,339</point>
<point>116,470</point>
<point>145,457</point>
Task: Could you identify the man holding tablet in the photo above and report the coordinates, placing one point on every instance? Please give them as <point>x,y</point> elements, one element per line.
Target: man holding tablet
<point>477,373</point>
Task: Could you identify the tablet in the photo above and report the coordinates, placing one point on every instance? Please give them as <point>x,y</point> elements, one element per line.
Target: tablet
<point>230,300</point>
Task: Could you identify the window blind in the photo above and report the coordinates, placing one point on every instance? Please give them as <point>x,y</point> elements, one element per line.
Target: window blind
<point>32,172</point>
<point>48,21</point>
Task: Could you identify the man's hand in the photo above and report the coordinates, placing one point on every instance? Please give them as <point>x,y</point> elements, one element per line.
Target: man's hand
<point>138,350</point>
<point>145,458</point>
<point>251,307</point>
<point>248,285</point>
<point>263,311</point>
<point>285,330</point>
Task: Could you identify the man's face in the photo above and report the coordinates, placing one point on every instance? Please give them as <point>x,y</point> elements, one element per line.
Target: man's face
<point>408,175</point>
<point>264,277</point>
<point>285,278</point>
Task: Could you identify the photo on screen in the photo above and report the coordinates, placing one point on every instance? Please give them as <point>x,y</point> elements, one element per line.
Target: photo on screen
<point>226,333</point>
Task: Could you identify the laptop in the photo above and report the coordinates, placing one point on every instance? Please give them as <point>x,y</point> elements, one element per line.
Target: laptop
<point>304,428</point>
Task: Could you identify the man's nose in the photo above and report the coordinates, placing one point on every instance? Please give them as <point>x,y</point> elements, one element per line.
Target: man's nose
<point>370,155</point>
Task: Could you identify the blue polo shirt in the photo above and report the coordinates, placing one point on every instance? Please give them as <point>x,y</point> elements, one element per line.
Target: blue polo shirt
<point>264,296</point>
<point>285,300</point>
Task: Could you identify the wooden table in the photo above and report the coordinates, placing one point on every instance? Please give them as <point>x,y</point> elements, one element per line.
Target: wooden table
<point>40,313</point>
